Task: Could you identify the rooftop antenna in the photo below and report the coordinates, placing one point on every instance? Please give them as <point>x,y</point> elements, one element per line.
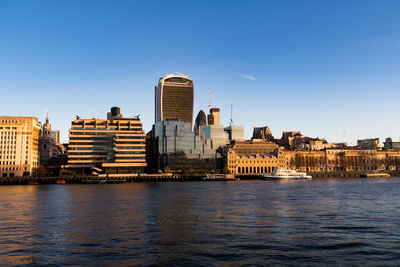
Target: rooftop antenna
<point>209,99</point>
<point>231,121</point>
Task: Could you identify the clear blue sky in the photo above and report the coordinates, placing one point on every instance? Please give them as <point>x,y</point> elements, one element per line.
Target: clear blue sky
<point>327,68</point>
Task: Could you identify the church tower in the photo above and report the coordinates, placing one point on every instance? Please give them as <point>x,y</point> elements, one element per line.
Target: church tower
<point>48,146</point>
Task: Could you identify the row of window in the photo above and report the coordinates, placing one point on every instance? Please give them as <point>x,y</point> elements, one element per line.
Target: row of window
<point>7,157</point>
<point>252,161</point>
<point>258,170</point>
<point>8,121</point>
<point>13,168</point>
<point>10,148</point>
<point>8,133</point>
<point>10,156</point>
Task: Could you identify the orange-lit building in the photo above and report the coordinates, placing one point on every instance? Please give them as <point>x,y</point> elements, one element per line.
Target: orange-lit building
<point>19,146</point>
<point>115,145</point>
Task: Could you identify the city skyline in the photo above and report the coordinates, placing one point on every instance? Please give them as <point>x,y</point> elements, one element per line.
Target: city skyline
<point>327,70</point>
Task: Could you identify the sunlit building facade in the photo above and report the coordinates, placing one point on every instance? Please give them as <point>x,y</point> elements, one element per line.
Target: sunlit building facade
<point>252,164</point>
<point>174,96</point>
<point>115,145</point>
<point>19,146</point>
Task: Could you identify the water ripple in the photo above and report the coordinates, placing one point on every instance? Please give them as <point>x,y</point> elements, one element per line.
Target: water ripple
<point>322,222</point>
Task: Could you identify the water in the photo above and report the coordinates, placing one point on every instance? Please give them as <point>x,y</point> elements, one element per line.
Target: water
<point>319,222</point>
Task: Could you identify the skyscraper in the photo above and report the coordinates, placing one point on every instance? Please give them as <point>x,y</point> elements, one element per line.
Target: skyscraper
<point>174,96</point>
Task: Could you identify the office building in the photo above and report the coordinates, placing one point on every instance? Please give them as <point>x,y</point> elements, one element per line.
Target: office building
<point>19,146</point>
<point>115,145</point>
<point>174,98</point>
<point>215,135</point>
<point>251,164</point>
<point>177,148</point>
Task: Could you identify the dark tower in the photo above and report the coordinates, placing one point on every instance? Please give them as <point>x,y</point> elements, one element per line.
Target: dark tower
<point>201,120</point>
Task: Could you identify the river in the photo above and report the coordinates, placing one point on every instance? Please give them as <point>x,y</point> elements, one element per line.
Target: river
<point>332,221</point>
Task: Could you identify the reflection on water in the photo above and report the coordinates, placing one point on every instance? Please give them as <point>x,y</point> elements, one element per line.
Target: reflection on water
<point>329,221</point>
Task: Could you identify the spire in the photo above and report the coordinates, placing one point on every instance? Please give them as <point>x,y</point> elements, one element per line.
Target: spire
<point>47,116</point>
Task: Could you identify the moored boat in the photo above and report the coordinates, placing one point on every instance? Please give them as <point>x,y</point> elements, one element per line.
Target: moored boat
<point>220,177</point>
<point>286,174</point>
<point>376,175</point>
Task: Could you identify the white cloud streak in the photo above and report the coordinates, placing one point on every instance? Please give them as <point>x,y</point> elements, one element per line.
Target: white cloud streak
<point>249,77</point>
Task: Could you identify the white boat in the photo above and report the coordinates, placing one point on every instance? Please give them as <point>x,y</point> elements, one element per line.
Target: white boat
<point>279,173</point>
<point>220,177</point>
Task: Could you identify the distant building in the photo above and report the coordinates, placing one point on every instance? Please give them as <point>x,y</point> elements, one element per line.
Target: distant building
<point>293,140</point>
<point>199,123</point>
<point>316,144</point>
<point>263,133</point>
<point>174,97</point>
<point>235,132</point>
<point>55,135</point>
<point>372,143</point>
<point>115,145</point>
<point>19,146</point>
<point>389,144</point>
<point>213,117</point>
<point>217,136</point>
<point>342,160</point>
<point>49,147</point>
<point>255,146</point>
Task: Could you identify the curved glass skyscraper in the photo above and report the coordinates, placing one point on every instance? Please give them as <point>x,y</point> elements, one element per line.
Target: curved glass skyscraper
<point>174,96</point>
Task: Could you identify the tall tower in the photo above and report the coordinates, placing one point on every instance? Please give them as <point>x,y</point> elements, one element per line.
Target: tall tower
<point>47,127</point>
<point>174,97</point>
<point>48,148</point>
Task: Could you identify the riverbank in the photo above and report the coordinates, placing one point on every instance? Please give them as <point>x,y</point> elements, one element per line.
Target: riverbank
<point>167,177</point>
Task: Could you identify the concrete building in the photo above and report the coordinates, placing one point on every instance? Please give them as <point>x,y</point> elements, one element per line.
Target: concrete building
<point>174,98</point>
<point>115,145</point>
<point>19,146</point>
<point>371,143</point>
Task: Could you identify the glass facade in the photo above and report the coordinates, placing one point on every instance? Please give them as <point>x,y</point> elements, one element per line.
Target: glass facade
<point>180,148</point>
<point>174,99</point>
